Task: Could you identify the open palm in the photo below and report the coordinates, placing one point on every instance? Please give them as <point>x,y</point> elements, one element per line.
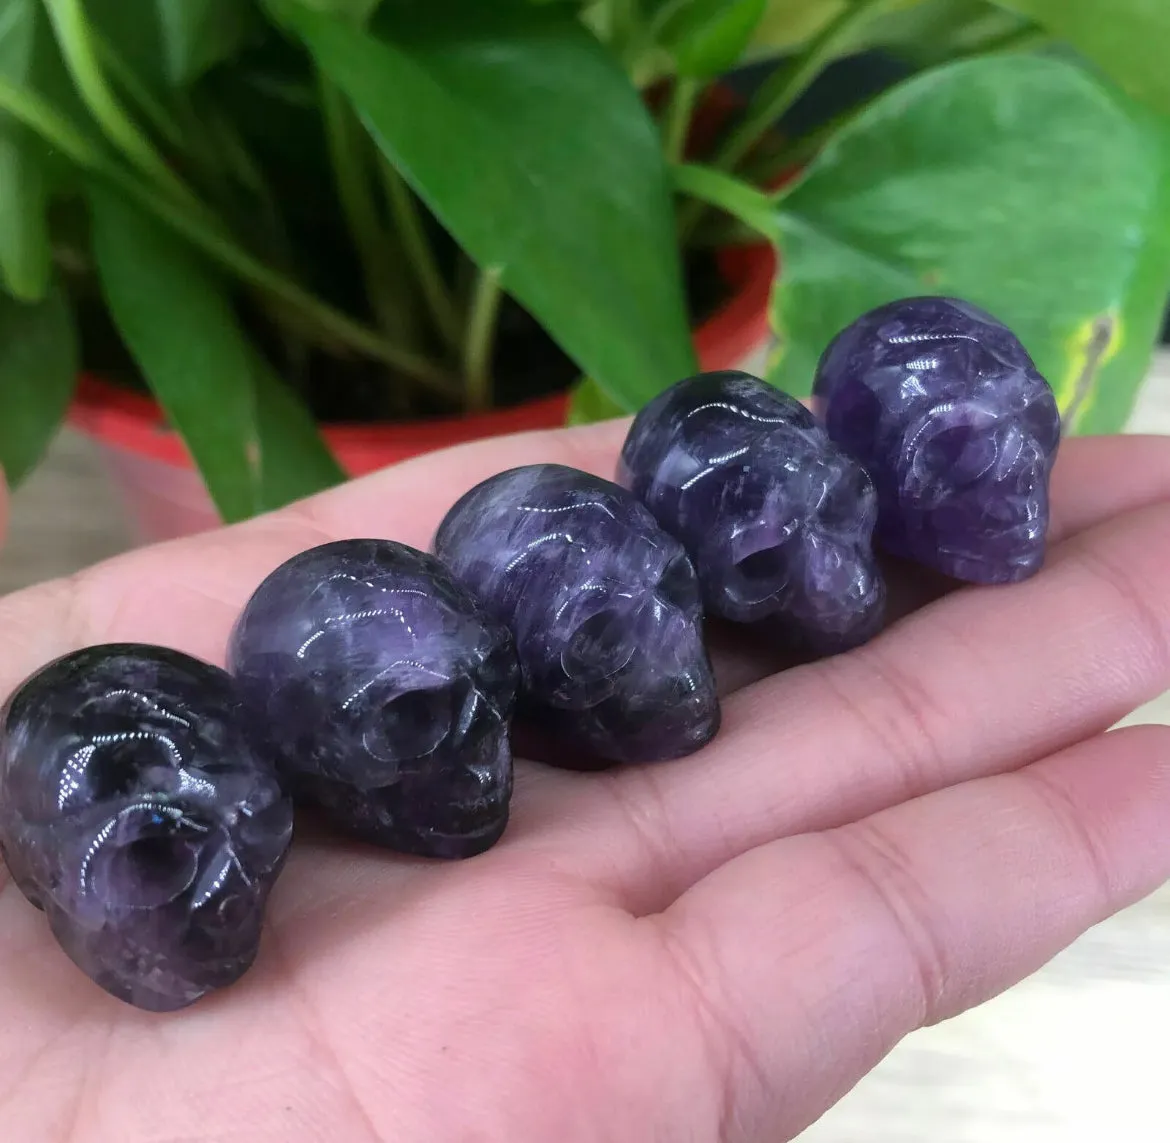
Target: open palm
<point>715,948</point>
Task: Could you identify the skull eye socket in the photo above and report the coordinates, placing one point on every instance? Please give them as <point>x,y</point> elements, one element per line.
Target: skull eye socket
<point>500,664</point>
<point>411,725</point>
<point>148,872</point>
<point>843,503</point>
<point>1042,421</point>
<point>118,763</point>
<point>960,455</point>
<point>679,584</point>
<point>599,647</point>
<point>115,769</point>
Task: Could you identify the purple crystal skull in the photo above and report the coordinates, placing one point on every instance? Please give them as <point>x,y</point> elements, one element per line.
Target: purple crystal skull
<point>945,409</point>
<point>386,693</point>
<point>135,811</point>
<point>604,606</point>
<point>777,519</point>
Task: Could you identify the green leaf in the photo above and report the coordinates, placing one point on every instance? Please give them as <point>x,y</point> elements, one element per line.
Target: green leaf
<point>530,145</point>
<point>172,42</point>
<point>1019,183</point>
<point>296,461</point>
<point>25,256</point>
<point>251,441</point>
<point>1127,39</point>
<point>589,403</point>
<point>708,37</point>
<point>38,370</point>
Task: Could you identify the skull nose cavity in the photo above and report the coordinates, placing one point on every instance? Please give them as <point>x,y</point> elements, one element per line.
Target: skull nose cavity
<point>599,647</point>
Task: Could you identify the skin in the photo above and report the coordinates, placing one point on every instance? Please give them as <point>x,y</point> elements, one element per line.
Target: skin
<point>715,948</point>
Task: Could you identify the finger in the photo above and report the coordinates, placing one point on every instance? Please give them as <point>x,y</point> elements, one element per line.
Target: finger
<point>407,501</point>
<point>980,682</point>
<point>187,593</point>
<point>1097,478</point>
<point>822,951</point>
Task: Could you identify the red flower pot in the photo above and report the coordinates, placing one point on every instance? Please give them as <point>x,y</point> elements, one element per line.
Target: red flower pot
<point>165,497</point>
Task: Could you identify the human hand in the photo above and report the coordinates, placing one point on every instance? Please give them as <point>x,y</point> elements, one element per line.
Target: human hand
<point>714,948</point>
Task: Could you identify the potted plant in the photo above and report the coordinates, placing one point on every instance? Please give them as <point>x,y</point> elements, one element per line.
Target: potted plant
<point>255,247</point>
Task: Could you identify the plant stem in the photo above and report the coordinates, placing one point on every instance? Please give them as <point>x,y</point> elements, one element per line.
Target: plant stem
<point>778,93</point>
<point>719,232</point>
<point>418,251</point>
<point>765,170</point>
<point>796,152</point>
<point>788,83</point>
<point>162,120</point>
<point>352,176</point>
<point>741,200</point>
<point>480,343</point>
<point>226,148</point>
<point>330,321</point>
<point>41,117</point>
<point>676,123</point>
<point>76,41</point>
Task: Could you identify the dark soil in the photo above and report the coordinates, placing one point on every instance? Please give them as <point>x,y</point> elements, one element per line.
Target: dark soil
<point>527,362</point>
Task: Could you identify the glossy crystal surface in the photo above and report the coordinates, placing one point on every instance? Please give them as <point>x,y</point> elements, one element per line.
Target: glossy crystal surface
<point>778,520</point>
<point>386,692</point>
<point>135,811</point>
<point>604,606</point>
<point>945,409</point>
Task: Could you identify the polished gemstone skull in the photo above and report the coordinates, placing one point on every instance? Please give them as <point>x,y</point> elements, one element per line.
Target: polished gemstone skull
<point>386,694</point>
<point>604,606</point>
<point>945,409</point>
<point>778,519</point>
<point>136,812</point>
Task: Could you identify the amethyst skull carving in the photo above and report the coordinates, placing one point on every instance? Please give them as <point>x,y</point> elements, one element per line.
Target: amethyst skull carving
<point>136,812</point>
<point>777,519</point>
<point>386,693</point>
<point>945,409</point>
<point>604,606</point>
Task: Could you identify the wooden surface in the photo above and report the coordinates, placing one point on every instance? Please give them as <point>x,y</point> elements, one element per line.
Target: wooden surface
<point>1076,1054</point>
